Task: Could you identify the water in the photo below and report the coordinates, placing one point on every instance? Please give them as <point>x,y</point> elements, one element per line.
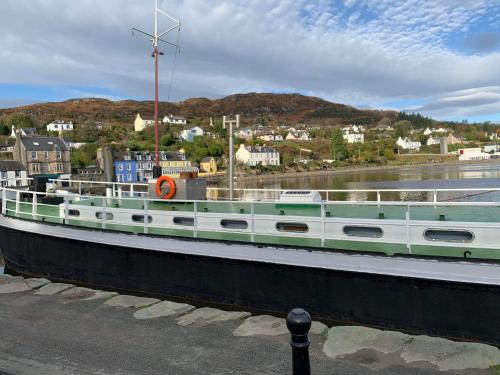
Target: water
<point>426,177</point>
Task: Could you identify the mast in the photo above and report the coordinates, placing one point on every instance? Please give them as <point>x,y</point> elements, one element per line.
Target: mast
<point>154,42</point>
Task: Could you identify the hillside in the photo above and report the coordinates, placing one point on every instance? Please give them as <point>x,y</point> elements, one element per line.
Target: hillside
<point>287,108</point>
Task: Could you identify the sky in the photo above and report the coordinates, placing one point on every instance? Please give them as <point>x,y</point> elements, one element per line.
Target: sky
<point>440,58</point>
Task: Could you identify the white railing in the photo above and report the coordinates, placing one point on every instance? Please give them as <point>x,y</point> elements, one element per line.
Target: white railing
<point>254,211</point>
<point>326,193</point>
<point>132,188</point>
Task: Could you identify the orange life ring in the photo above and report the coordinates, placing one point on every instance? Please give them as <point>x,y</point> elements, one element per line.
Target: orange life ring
<point>171,184</point>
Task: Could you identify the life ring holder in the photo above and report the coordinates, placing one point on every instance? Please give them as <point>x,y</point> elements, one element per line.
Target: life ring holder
<point>171,183</point>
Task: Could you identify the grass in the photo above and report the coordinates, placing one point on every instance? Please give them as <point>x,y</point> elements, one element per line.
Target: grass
<point>495,370</point>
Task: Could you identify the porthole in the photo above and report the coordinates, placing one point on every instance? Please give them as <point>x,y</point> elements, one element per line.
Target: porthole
<point>362,231</point>
<point>234,224</point>
<point>73,213</point>
<point>100,215</point>
<point>140,218</point>
<point>448,235</point>
<point>292,227</point>
<point>186,221</point>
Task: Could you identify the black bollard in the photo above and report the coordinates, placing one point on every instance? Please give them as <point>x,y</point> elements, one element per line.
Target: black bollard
<point>298,322</point>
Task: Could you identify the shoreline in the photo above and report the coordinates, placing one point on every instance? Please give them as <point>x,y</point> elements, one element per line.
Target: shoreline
<point>351,169</point>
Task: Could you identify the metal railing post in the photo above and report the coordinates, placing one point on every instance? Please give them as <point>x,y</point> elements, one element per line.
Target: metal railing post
<point>18,198</point>
<point>146,216</point>
<point>104,214</point>
<point>195,219</point>
<point>79,187</point>
<point>66,209</point>
<point>323,224</point>
<point>252,212</point>
<point>4,202</point>
<point>408,229</point>
<point>131,192</point>
<point>34,207</point>
<point>298,322</point>
<point>435,195</point>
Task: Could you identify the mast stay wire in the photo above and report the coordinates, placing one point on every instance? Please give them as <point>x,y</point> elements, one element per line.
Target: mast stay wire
<point>177,51</point>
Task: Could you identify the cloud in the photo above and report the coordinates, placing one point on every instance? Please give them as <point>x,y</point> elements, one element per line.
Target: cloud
<point>464,103</point>
<point>483,42</point>
<point>359,52</point>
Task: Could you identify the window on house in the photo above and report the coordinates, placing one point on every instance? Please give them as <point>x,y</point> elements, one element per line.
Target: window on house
<point>35,167</point>
<point>129,167</point>
<point>34,155</point>
<point>120,167</point>
<point>58,154</point>
<point>129,177</point>
<point>46,154</point>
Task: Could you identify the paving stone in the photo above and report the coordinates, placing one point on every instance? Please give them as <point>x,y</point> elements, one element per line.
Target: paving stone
<point>208,315</point>
<point>262,325</point>
<point>52,288</point>
<point>84,294</point>
<point>449,355</point>
<point>37,282</point>
<point>124,300</point>
<point>347,340</point>
<point>162,309</point>
<point>318,328</point>
<point>10,284</point>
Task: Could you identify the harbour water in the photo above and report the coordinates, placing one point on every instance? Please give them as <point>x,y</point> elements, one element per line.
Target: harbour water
<point>459,176</point>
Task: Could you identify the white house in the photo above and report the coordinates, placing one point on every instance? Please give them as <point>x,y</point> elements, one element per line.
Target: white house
<point>427,131</point>
<point>174,120</point>
<point>245,133</point>
<point>298,136</point>
<point>271,137</point>
<point>354,137</point>
<point>59,126</point>
<point>253,156</point>
<point>408,144</point>
<point>12,174</point>
<point>472,154</point>
<point>433,141</point>
<point>188,134</point>
<point>25,132</point>
<point>141,123</point>
<point>491,148</point>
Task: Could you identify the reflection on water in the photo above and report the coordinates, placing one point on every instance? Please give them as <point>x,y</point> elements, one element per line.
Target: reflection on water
<point>421,178</point>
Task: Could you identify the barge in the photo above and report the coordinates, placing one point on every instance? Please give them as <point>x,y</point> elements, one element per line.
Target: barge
<point>421,267</point>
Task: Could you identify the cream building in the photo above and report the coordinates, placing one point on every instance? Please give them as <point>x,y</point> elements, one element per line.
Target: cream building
<point>255,155</point>
<point>141,123</point>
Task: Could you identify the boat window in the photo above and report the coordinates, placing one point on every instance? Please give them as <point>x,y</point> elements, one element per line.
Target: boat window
<point>362,231</point>
<point>100,216</point>
<point>234,224</point>
<point>140,218</point>
<point>73,213</point>
<point>187,221</point>
<point>448,235</point>
<point>292,227</point>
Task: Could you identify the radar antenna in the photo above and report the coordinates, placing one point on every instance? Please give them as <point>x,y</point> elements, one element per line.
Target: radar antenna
<point>155,38</point>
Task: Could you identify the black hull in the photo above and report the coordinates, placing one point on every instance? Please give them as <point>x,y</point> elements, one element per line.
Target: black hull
<point>435,307</point>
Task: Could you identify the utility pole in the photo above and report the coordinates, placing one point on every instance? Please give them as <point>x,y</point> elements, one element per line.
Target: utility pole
<point>231,122</point>
<point>154,42</point>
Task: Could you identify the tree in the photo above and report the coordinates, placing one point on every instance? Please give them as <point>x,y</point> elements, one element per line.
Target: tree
<point>402,128</point>
<point>338,146</point>
<point>167,140</point>
<point>4,129</point>
<point>389,154</point>
<point>21,120</point>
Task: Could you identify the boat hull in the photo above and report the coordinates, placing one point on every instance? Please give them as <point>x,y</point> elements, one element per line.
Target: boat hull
<point>424,306</point>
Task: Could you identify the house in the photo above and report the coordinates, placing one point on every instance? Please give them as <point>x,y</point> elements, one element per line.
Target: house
<point>174,120</point>
<point>188,134</point>
<point>42,155</point>
<point>491,148</point>
<point>90,173</point>
<point>253,156</point>
<point>141,123</point>
<point>245,133</point>
<point>125,169</point>
<point>472,154</point>
<point>72,145</point>
<point>271,137</point>
<point>354,137</point>
<point>8,146</point>
<point>24,132</point>
<point>298,136</point>
<point>408,144</point>
<point>452,140</point>
<point>208,165</point>
<point>144,162</point>
<point>60,126</point>
<point>427,131</point>
<point>433,141</point>
<point>12,174</point>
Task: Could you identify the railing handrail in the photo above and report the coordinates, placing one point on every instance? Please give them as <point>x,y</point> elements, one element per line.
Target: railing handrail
<point>264,201</point>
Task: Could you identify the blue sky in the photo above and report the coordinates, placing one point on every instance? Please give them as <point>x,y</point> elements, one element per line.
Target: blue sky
<point>437,57</point>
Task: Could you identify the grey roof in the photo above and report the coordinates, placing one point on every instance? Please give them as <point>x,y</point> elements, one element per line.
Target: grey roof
<point>43,143</point>
<point>11,165</point>
<point>29,130</point>
<point>207,159</point>
<point>262,149</point>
